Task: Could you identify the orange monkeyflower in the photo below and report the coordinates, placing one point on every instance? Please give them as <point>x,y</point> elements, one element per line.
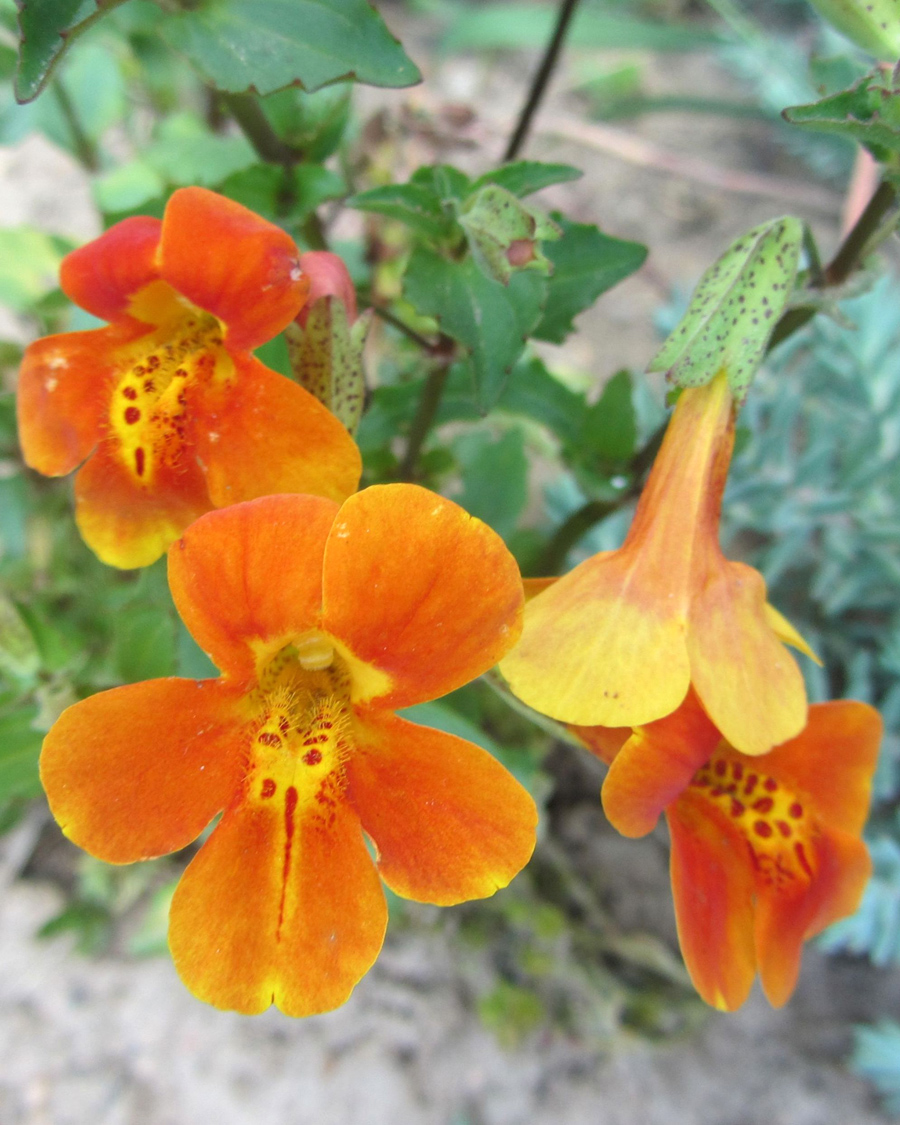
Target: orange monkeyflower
<point>618,640</point>
<point>766,851</point>
<point>166,405</point>
<point>324,621</point>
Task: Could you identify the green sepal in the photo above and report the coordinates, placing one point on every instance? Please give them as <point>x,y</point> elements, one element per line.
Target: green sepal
<point>327,358</point>
<point>504,234</point>
<point>734,309</point>
<point>873,25</point>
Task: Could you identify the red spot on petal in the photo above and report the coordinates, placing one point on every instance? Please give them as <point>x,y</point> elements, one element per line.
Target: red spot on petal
<point>720,768</point>
<point>763,805</point>
<point>153,362</point>
<point>801,859</point>
<point>312,757</point>
<point>750,784</point>
<point>796,810</point>
<point>738,770</point>
<point>761,828</point>
<point>737,809</point>
<point>784,828</point>
<point>290,808</point>
<point>270,738</point>
<point>129,392</point>
<point>139,461</point>
<point>132,415</point>
<point>770,784</point>
<point>268,788</point>
<point>149,386</point>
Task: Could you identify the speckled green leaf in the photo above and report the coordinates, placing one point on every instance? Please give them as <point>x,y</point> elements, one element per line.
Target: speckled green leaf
<point>505,234</point>
<point>327,358</point>
<point>873,25</point>
<point>265,45</point>
<point>734,309</point>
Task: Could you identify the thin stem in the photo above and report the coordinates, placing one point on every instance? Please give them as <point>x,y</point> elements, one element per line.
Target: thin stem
<point>426,412</point>
<point>411,334</point>
<point>540,80</point>
<point>248,113</point>
<point>85,149</point>
<point>867,231</point>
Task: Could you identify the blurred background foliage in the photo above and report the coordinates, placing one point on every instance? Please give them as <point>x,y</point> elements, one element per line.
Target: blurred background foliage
<point>813,498</point>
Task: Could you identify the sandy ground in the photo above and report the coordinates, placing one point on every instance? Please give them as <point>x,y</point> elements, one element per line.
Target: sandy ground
<point>113,1041</point>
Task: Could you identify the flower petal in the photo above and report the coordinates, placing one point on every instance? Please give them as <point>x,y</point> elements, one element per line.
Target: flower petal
<point>418,590</point>
<point>230,262</point>
<point>746,679</point>
<point>249,577</point>
<point>712,886</point>
<point>832,762</point>
<point>268,435</point>
<point>787,915</point>
<point>129,525</point>
<point>603,646</point>
<point>655,765</point>
<point>328,277</point>
<point>105,274</point>
<point>63,391</point>
<point>268,913</point>
<point>449,822</point>
<point>139,771</point>
<point>603,742</point>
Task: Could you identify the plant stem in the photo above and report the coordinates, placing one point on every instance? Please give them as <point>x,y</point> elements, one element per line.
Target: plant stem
<point>85,149</point>
<point>865,233</point>
<point>540,80</point>
<point>426,411</point>
<point>388,317</point>
<point>248,113</point>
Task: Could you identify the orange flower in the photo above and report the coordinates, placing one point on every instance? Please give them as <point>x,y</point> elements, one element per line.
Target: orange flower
<point>766,851</point>
<point>171,411</point>
<point>618,640</point>
<point>324,620</point>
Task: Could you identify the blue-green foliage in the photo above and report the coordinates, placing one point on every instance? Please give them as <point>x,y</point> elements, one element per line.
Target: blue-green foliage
<point>876,1056</point>
<point>875,928</point>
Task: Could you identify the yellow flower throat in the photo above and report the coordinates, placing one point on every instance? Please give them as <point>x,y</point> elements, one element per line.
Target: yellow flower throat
<point>149,408</point>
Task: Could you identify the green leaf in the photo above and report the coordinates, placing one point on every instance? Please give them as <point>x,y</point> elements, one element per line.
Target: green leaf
<point>734,309</point>
<point>313,123</point>
<point>264,188</point>
<point>19,656</point>
<point>128,187</point>
<point>490,320</point>
<point>143,645</point>
<point>524,177</point>
<point>187,153</point>
<point>533,392</point>
<point>265,45</point>
<point>609,428</point>
<point>868,112</point>
<point>46,27</point>
<point>495,478</point>
<point>417,206</point>
<point>873,25</point>
<point>20,748</point>
<point>585,264</point>
<point>29,266</point>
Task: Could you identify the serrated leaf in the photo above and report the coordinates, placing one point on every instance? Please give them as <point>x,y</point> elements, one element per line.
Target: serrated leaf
<point>414,204</point>
<point>609,428</point>
<point>868,112</point>
<point>490,320</point>
<point>46,28</point>
<point>327,358</point>
<point>734,309</point>
<point>585,264</point>
<point>524,177</point>
<point>265,45</point>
